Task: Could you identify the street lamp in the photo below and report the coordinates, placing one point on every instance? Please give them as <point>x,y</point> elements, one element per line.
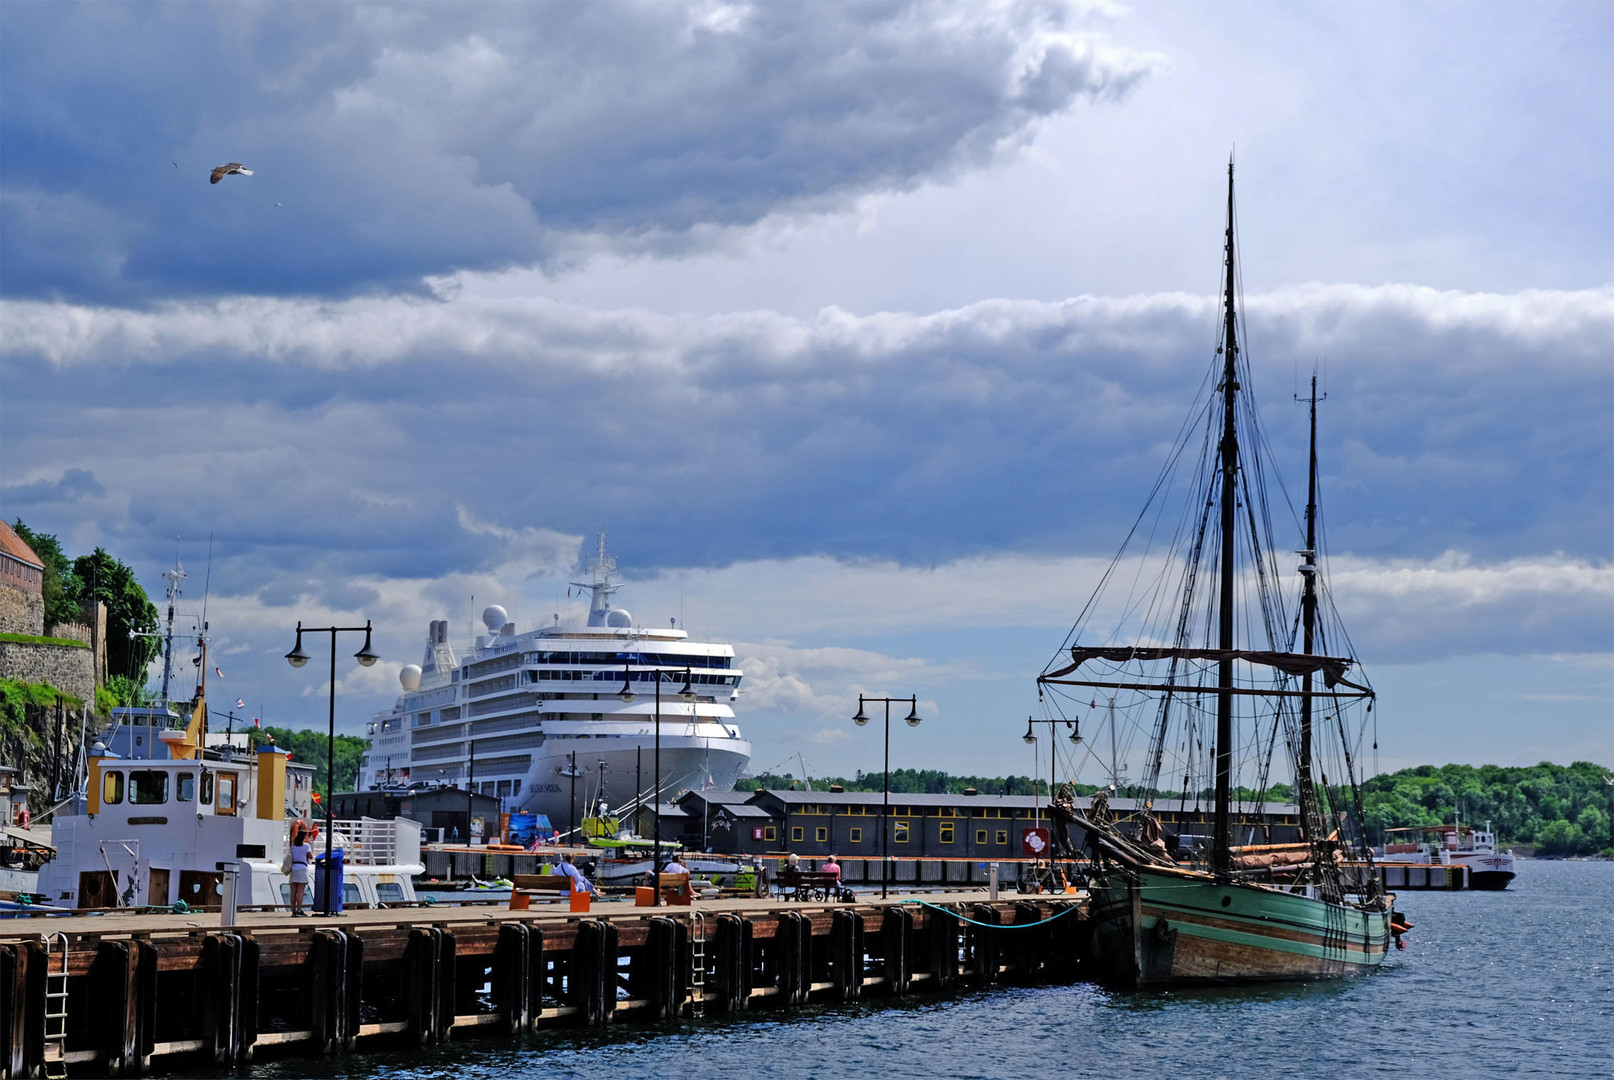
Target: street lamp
<point>687,693</point>
<point>885,799</point>
<point>297,658</point>
<point>1053,756</point>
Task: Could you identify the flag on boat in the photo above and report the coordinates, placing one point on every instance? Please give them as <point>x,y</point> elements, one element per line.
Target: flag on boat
<point>219,672</point>
<point>255,722</point>
<point>240,704</point>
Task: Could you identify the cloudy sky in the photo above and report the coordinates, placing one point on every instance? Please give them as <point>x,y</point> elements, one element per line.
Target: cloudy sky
<point>861,328</point>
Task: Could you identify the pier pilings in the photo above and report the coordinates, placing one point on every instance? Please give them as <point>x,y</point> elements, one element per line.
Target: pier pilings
<point>148,994</point>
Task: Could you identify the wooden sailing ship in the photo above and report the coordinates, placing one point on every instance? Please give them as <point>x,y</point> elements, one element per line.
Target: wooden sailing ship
<point>1214,655</point>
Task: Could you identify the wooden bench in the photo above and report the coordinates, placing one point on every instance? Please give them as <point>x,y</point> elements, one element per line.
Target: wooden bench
<point>810,885</point>
<point>675,890</point>
<point>526,886</point>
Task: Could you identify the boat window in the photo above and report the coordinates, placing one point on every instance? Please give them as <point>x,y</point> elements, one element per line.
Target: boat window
<point>389,892</point>
<point>207,788</point>
<point>350,894</point>
<point>285,893</point>
<point>226,794</point>
<point>112,788</point>
<point>185,790</point>
<point>147,787</point>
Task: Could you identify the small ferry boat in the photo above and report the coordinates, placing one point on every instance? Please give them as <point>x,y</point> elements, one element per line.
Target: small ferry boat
<point>1454,845</point>
<point>166,811</point>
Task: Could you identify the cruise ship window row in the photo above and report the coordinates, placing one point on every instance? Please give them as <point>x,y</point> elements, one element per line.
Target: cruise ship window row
<point>617,659</point>
<point>699,678</point>
<point>493,686</point>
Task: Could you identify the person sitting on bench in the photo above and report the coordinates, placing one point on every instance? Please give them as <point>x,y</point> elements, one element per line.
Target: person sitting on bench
<point>579,882</point>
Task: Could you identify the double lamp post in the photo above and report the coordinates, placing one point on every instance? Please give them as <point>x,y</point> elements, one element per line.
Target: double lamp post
<point>686,693</point>
<point>885,799</point>
<point>298,658</point>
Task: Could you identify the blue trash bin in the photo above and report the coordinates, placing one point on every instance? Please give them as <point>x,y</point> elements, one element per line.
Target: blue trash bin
<point>323,881</point>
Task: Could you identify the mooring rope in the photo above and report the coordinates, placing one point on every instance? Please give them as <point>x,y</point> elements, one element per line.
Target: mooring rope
<point>994,926</point>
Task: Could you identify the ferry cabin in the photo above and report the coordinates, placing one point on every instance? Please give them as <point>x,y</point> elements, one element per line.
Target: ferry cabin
<point>161,830</point>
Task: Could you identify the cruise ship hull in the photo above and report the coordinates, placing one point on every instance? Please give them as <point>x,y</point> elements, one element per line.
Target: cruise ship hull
<point>619,769</point>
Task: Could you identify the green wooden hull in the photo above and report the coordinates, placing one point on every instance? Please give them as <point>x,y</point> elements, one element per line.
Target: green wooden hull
<point>1153,928</point>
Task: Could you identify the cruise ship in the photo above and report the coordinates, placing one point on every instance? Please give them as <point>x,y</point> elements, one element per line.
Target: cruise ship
<point>561,720</point>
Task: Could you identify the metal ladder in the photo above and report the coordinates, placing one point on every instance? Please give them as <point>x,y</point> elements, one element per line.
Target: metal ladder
<point>697,963</point>
<point>56,1008</point>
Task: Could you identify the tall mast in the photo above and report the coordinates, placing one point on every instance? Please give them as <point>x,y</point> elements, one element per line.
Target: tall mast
<point>1308,621</point>
<point>1222,858</point>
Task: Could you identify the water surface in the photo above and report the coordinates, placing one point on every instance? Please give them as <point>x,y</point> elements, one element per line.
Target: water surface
<point>1519,983</point>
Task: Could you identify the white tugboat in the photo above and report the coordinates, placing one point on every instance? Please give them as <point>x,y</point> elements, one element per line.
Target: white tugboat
<point>539,719</point>
<point>164,812</point>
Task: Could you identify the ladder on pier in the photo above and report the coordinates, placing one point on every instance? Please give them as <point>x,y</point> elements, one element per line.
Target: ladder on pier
<point>56,1006</point>
<point>697,963</point>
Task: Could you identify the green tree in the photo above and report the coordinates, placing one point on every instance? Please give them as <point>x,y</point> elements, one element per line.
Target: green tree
<point>308,747</point>
<point>1560,838</point>
<point>60,586</point>
<point>129,609</point>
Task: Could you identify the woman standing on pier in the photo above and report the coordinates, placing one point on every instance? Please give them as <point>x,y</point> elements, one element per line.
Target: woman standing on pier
<point>301,852</point>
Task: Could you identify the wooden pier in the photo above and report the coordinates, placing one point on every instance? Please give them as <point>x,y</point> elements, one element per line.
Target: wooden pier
<point>125,995</point>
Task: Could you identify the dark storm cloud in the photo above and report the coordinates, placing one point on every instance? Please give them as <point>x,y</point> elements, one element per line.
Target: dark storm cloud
<point>74,484</point>
<point>392,143</point>
<point>359,431</point>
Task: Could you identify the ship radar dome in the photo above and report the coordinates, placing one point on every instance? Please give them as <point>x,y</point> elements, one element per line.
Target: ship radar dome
<point>410,677</point>
<point>494,617</point>
<point>618,617</point>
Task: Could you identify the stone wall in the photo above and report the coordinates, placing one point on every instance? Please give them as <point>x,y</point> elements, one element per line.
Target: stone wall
<point>91,631</point>
<point>70,669</point>
<point>21,612</point>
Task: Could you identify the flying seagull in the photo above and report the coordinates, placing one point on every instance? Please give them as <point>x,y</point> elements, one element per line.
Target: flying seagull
<point>225,170</point>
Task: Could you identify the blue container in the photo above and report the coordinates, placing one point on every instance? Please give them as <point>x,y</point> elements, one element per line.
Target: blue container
<point>523,828</point>
<point>323,882</point>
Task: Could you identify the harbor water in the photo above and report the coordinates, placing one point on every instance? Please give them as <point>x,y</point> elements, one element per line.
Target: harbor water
<point>1517,983</point>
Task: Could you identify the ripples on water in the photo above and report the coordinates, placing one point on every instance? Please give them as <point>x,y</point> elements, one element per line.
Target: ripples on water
<point>1519,983</point>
